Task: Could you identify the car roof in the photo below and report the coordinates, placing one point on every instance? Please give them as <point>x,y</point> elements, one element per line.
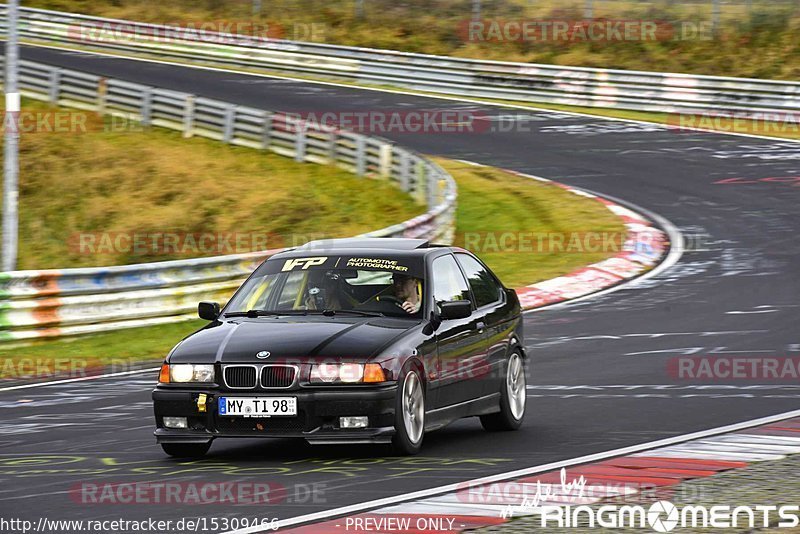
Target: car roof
<point>388,246</point>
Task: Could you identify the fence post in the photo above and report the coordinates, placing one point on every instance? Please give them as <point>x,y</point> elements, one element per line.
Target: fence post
<point>332,146</point>
<point>102,93</point>
<point>361,155</point>
<point>588,10</point>
<point>267,131</point>
<point>147,107</point>
<point>405,171</point>
<point>188,116</point>
<point>433,184</point>
<point>300,141</point>
<point>230,119</point>
<point>55,86</point>
<point>386,160</point>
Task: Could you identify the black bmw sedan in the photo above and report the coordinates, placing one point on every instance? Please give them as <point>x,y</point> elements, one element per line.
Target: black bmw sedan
<point>348,341</point>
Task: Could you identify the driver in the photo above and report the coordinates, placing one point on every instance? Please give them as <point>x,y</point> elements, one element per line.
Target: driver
<point>405,289</point>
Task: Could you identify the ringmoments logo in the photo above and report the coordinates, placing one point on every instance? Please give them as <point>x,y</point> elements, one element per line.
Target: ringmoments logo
<point>664,516</point>
<point>660,516</point>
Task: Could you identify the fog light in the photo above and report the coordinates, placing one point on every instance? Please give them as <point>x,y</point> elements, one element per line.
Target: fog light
<point>353,422</point>
<point>175,422</point>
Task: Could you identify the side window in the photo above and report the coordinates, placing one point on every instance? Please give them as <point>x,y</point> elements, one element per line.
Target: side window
<point>448,282</point>
<point>484,287</point>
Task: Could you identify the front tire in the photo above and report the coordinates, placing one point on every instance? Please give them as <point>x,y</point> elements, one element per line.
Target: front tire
<point>409,418</point>
<point>513,396</point>
<point>186,450</point>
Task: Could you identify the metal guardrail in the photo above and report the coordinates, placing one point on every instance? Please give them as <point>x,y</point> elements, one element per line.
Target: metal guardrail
<point>636,90</point>
<point>70,301</point>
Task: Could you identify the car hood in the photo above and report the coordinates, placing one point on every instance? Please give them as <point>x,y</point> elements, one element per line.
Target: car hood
<point>289,338</point>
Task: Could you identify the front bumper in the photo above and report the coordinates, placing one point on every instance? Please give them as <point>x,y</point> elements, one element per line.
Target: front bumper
<point>317,418</point>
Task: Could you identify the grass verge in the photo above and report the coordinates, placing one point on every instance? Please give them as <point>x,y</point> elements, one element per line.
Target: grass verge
<point>526,230</point>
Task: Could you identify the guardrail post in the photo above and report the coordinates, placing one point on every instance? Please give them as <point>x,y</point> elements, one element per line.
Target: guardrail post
<point>146,109</point>
<point>405,171</point>
<point>188,116</point>
<point>386,160</point>
<point>267,131</point>
<point>332,146</point>
<point>361,155</point>
<point>102,93</point>
<point>300,141</point>
<point>230,119</point>
<point>55,86</point>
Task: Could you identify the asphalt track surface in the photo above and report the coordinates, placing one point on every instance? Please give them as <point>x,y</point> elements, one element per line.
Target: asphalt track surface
<point>733,293</point>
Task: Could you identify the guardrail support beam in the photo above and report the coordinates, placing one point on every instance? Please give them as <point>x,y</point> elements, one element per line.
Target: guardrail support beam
<point>361,155</point>
<point>188,116</point>
<point>230,120</point>
<point>266,132</point>
<point>102,94</point>
<point>300,141</point>
<point>146,110</point>
<point>55,86</point>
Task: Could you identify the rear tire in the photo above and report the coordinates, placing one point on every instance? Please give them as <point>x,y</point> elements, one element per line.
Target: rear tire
<point>513,397</point>
<point>186,450</point>
<point>409,415</point>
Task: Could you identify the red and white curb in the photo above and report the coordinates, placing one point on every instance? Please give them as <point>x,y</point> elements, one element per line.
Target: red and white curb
<point>657,470</point>
<point>645,245</point>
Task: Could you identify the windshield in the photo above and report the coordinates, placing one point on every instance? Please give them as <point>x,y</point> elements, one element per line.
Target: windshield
<point>338,284</point>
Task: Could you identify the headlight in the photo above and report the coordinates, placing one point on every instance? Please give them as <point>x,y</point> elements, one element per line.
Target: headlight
<point>184,373</point>
<point>348,373</point>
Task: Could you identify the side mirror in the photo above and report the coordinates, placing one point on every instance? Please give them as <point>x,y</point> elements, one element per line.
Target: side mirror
<point>456,309</point>
<point>208,311</point>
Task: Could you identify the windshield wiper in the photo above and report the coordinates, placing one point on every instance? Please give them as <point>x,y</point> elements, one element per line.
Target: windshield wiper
<point>331,313</point>
<point>264,313</point>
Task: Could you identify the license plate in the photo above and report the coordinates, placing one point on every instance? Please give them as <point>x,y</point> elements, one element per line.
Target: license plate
<point>257,407</point>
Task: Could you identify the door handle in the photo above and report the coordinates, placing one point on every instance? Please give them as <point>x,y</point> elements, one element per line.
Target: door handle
<point>481,325</point>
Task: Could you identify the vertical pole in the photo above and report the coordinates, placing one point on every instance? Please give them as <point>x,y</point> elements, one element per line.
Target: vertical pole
<point>476,9</point>
<point>361,155</point>
<point>359,9</point>
<point>188,116</point>
<point>715,9</point>
<point>230,121</point>
<point>256,8</point>
<point>11,146</point>
<point>588,10</point>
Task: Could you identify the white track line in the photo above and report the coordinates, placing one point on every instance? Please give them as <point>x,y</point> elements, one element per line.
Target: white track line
<point>378,503</point>
<point>81,379</point>
<point>407,93</point>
